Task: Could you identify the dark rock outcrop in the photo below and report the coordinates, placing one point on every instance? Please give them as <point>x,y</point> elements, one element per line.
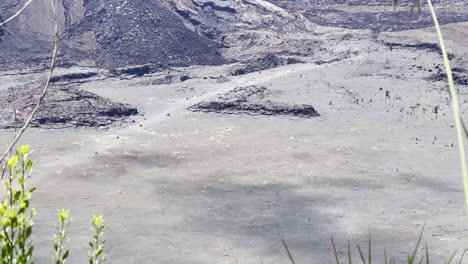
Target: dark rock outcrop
<point>244,94</point>
<point>73,77</point>
<point>460,76</point>
<point>260,63</point>
<point>62,107</point>
<point>250,100</point>
<point>260,108</point>
<point>137,70</point>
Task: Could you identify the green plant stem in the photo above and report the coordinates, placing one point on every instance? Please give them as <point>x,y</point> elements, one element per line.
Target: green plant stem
<point>455,105</point>
<point>96,259</point>
<point>60,242</point>
<point>12,234</point>
<point>23,232</point>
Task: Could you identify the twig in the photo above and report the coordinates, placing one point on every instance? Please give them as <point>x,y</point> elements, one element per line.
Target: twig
<point>44,90</point>
<point>16,14</point>
<point>455,107</point>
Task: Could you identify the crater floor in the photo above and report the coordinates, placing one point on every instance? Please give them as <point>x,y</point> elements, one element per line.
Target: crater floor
<point>178,186</point>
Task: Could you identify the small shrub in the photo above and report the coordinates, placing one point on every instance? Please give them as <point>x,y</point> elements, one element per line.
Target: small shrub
<point>15,214</point>
<point>60,240</point>
<point>95,255</point>
<point>16,218</point>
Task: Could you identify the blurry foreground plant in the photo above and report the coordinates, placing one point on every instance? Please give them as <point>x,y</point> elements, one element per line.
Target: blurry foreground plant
<point>60,239</point>
<point>455,105</point>
<point>414,258</point>
<point>15,214</point>
<point>95,255</point>
<point>459,124</point>
<point>16,218</point>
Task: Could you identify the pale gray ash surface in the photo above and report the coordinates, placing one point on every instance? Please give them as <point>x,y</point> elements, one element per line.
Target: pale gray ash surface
<point>207,131</point>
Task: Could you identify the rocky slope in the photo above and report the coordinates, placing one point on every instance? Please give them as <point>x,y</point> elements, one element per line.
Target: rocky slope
<point>247,27</point>
<point>107,33</point>
<point>63,106</point>
<point>189,32</point>
<point>374,14</point>
<point>170,32</point>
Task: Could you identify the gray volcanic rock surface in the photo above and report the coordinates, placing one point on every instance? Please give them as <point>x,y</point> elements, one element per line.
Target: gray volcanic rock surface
<point>267,108</point>
<point>119,33</point>
<point>136,32</point>
<point>200,32</point>
<point>244,170</point>
<point>374,14</point>
<point>252,100</point>
<point>62,107</point>
<point>108,33</point>
<point>246,28</point>
<point>260,63</point>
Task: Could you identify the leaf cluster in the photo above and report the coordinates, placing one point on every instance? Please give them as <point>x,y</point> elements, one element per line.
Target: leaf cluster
<point>16,218</point>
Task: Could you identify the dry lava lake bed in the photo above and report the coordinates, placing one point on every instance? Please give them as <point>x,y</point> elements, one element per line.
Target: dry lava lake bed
<point>199,165</point>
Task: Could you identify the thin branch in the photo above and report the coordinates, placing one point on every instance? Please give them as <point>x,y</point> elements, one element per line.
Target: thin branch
<point>17,13</point>
<point>44,90</point>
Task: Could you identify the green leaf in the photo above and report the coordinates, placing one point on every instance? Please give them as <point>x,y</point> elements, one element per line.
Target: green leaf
<point>11,162</point>
<point>289,252</point>
<point>412,258</point>
<point>31,250</point>
<point>427,254</point>
<point>334,251</point>
<point>97,221</point>
<point>451,258</point>
<point>29,164</point>
<point>421,260</point>
<point>23,149</point>
<point>67,253</point>
<point>28,231</point>
<point>361,254</point>
<point>349,254</point>
<point>370,248</point>
<point>5,222</point>
<point>461,258</point>
<point>63,215</point>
